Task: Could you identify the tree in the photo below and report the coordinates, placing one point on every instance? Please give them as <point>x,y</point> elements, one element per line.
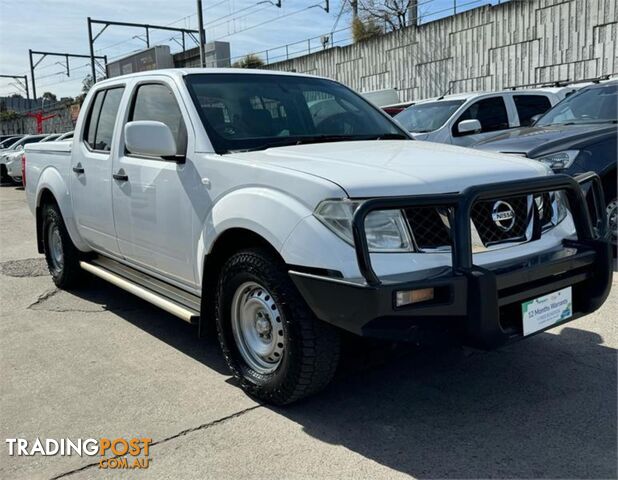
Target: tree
<point>50,97</point>
<point>87,84</point>
<point>17,95</point>
<point>250,61</point>
<point>362,30</point>
<point>8,115</point>
<point>395,14</point>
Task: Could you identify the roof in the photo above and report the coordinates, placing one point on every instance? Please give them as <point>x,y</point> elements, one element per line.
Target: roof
<point>181,72</point>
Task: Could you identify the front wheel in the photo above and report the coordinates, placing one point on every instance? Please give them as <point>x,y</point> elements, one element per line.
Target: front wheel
<point>274,345</point>
<point>60,253</point>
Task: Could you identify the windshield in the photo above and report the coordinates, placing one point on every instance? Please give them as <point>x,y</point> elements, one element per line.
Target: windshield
<point>254,112</point>
<point>598,104</point>
<point>7,142</point>
<point>26,140</point>
<point>427,117</point>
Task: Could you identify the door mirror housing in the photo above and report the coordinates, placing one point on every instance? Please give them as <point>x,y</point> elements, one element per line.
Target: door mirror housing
<point>469,127</point>
<point>150,138</point>
<point>535,118</point>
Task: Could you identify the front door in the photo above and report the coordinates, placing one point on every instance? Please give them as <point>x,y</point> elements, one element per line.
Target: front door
<point>493,116</point>
<point>152,211</point>
<point>91,172</point>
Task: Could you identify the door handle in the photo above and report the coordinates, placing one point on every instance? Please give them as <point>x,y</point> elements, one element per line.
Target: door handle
<point>78,168</point>
<point>120,176</point>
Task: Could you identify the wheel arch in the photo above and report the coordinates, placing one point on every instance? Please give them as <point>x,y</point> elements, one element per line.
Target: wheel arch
<point>52,189</point>
<point>225,245</point>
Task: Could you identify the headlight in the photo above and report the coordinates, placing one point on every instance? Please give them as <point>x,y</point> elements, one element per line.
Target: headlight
<point>559,160</point>
<point>386,230</point>
<point>552,208</point>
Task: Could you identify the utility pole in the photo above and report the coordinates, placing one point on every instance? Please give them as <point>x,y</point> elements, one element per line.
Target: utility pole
<point>200,27</point>
<point>413,13</point>
<point>20,77</point>
<point>91,43</point>
<point>32,75</point>
<point>354,5</point>
<point>147,27</point>
<point>66,56</point>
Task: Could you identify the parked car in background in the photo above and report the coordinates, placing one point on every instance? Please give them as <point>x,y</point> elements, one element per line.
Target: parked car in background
<point>14,152</point>
<point>51,137</point>
<point>65,136</point>
<point>396,108</point>
<point>577,135</point>
<point>8,141</point>
<point>467,118</point>
<point>380,98</point>
<point>215,195</point>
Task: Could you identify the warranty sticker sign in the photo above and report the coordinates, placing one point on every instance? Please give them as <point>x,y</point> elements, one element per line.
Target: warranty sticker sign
<point>545,311</point>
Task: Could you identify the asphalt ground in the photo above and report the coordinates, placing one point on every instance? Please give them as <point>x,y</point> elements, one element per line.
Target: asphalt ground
<point>99,362</point>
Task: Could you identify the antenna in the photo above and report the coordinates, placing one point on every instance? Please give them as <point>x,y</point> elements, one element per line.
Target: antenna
<point>441,97</point>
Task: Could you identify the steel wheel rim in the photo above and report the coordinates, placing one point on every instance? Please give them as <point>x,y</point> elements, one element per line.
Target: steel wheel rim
<point>257,325</point>
<point>54,241</point>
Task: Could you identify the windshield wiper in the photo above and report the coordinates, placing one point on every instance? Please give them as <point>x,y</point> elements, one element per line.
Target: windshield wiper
<point>290,141</point>
<point>349,138</point>
<point>585,122</point>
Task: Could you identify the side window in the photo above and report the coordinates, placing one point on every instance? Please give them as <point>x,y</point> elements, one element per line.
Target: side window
<point>530,105</point>
<point>93,118</point>
<point>102,118</point>
<point>157,102</point>
<point>491,112</point>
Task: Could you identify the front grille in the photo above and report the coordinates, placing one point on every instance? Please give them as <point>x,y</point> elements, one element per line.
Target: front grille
<point>490,231</point>
<point>431,226</point>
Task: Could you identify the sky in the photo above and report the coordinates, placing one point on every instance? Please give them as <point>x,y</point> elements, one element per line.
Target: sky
<point>249,25</point>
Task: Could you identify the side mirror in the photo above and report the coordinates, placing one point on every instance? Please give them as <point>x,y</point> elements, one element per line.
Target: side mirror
<point>468,127</point>
<point>535,118</point>
<point>146,137</point>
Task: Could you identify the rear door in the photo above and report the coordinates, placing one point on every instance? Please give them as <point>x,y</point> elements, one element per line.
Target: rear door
<point>529,105</point>
<point>91,175</point>
<point>152,210</point>
<point>491,112</point>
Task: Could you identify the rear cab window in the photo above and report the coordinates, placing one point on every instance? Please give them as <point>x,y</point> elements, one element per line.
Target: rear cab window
<point>99,129</point>
<point>530,105</point>
<point>490,112</point>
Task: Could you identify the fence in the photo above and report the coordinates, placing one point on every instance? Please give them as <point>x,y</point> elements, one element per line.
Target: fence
<point>488,48</point>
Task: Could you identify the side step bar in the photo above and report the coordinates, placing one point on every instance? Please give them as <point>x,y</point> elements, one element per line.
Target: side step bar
<point>184,312</point>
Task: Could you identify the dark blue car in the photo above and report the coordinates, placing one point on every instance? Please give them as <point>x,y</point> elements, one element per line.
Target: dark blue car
<point>577,135</point>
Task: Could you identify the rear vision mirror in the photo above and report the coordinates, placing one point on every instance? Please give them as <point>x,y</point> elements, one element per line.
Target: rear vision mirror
<point>535,118</point>
<point>468,127</point>
<point>150,138</point>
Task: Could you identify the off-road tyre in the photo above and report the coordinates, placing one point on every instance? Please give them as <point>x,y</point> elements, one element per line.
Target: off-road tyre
<point>311,352</point>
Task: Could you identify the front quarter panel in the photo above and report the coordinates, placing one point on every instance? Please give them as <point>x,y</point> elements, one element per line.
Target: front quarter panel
<point>598,157</point>
<point>270,213</point>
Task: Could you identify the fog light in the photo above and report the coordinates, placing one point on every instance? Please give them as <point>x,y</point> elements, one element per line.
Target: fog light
<point>406,297</point>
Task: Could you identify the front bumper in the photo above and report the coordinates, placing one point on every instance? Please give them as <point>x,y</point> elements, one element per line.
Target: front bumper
<point>482,305</point>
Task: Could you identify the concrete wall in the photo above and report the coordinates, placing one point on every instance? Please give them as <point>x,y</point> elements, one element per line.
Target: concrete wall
<point>64,121</point>
<point>488,48</point>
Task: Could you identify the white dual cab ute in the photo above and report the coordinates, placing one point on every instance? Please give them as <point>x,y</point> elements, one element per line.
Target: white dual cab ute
<point>219,197</point>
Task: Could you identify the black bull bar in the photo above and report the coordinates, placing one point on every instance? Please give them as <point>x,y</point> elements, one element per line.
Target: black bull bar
<point>477,300</point>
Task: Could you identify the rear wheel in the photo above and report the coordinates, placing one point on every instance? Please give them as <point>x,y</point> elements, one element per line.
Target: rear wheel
<point>60,253</point>
<point>274,345</point>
